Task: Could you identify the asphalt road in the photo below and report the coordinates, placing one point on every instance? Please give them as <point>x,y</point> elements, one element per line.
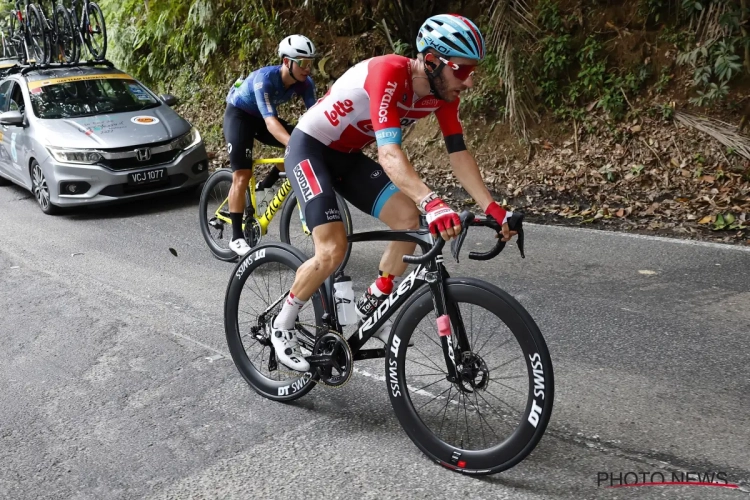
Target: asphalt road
<point>115,380</point>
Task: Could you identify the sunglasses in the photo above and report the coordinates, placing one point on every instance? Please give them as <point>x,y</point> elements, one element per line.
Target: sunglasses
<point>462,72</point>
<point>303,63</point>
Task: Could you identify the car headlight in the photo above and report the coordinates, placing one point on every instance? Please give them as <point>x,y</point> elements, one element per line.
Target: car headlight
<point>187,141</point>
<point>82,156</point>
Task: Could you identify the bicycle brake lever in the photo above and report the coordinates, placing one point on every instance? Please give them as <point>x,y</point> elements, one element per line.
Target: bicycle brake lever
<point>466,219</point>
<point>520,242</point>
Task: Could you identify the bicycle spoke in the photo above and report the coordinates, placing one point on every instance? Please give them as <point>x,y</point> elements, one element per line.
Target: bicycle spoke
<point>445,410</point>
<point>437,397</point>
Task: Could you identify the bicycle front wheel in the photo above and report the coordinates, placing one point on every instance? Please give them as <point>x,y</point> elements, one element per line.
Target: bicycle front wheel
<point>496,411</point>
<point>292,232</point>
<point>37,39</point>
<point>213,212</point>
<point>66,38</point>
<point>96,32</point>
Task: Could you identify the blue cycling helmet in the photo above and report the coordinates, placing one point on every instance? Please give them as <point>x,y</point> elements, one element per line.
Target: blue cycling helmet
<point>451,35</point>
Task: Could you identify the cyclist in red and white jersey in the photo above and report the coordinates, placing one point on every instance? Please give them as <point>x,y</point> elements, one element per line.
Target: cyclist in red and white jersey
<point>370,103</point>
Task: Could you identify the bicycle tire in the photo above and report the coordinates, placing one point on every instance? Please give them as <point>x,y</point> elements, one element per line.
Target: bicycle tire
<point>66,39</point>
<point>286,230</point>
<point>36,36</point>
<point>219,176</point>
<point>276,390</point>
<point>528,431</point>
<point>95,12</point>
<point>49,34</point>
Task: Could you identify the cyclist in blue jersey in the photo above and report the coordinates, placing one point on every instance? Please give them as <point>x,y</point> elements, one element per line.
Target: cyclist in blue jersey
<point>251,114</point>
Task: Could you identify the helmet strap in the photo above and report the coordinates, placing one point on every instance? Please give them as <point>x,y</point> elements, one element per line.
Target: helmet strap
<point>432,74</point>
<point>291,73</point>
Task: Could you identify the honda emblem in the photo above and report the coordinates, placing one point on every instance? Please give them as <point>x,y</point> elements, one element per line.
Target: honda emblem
<point>143,154</point>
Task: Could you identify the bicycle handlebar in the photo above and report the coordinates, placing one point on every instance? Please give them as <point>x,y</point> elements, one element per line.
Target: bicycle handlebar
<point>515,223</point>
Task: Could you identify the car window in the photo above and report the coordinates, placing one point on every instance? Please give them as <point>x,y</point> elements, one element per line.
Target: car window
<point>15,98</point>
<point>71,99</point>
<point>3,92</point>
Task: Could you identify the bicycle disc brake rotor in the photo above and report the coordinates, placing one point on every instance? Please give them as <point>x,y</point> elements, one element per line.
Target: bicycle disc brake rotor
<point>339,371</point>
<point>253,233</point>
<point>473,372</point>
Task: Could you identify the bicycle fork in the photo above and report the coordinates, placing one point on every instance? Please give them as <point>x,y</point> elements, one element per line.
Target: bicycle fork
<point>436,280</point>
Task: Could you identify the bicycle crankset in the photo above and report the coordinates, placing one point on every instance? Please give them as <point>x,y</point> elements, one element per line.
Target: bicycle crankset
<point>473,372</point>
<point>253,232</point>
<point>333,358</point>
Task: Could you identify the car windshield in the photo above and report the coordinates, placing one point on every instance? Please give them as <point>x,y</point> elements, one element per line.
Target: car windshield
<point>72,99</point>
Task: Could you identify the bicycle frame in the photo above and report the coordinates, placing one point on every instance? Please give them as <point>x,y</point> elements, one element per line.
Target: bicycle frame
<point>431,273</point>
<point>273,206</point>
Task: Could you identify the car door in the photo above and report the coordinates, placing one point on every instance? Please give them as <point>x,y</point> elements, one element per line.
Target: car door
<point>14,136</point>
<point>5,159</point>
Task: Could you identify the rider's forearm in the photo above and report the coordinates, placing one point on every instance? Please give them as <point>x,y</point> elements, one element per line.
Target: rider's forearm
<point>396,165</point>
<point>467,172</point>
<point>277,130</point>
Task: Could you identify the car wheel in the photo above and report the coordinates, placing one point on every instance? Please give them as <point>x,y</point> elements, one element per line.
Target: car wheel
<point>40,189</point>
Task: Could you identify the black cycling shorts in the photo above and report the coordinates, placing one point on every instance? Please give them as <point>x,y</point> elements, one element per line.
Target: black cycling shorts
<point>240,129</point>
<point>315,170</point>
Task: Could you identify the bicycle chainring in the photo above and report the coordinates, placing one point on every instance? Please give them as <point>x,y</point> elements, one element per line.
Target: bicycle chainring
<point>340,370</point>
<point>253,233</point>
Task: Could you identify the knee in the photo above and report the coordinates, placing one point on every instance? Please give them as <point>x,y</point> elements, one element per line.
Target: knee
<point>330,254</point>
<point>241,176</point>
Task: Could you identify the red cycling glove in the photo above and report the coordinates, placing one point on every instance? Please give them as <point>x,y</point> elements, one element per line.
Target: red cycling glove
<point>496,212</point>
<point>440,216</point>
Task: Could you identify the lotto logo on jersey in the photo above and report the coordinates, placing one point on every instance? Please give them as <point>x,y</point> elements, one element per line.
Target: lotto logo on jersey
<point>339,109</point>
<point>307,180</point>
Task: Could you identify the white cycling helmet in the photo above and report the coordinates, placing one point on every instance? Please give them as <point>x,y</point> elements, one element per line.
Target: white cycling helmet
<point>297,46</point>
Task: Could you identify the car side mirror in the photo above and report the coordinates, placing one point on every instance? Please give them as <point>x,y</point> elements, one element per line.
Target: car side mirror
<point>12,118</point>
<point>168,99</point>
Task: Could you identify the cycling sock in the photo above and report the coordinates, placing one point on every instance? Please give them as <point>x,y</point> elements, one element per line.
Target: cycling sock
<point>236,225</point>
<point>288,315</point>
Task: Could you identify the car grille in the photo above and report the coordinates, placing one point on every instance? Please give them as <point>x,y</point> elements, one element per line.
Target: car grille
<point>132,163</point>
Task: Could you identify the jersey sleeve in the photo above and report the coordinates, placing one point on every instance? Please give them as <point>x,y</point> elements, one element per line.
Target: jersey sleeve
<point>385,86</point>
<point>263,89</point>
<point>450,126</point>
<point>309,94</point>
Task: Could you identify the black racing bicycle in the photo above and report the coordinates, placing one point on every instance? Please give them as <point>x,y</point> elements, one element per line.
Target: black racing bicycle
<point>468,372</point>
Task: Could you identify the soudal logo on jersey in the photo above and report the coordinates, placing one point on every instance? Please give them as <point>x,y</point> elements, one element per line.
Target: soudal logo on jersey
<point>339,109</point>
<point>385,101</point>
<point>307,180</point>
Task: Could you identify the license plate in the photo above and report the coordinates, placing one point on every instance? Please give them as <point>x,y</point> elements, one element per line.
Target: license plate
<point>147,177</point>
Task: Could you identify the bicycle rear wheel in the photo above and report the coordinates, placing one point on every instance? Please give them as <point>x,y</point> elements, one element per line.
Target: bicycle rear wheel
<point>213,212</point>
<point>255,295</point>
<point>495,414</point>
<point>96,32</point>
<point>291,230</point>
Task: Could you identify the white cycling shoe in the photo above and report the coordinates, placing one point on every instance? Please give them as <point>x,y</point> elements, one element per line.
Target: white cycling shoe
<point>239,246</point>
<point>287,349</point>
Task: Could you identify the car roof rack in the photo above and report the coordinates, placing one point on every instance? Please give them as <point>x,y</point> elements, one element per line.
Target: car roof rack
<point>24,69</point>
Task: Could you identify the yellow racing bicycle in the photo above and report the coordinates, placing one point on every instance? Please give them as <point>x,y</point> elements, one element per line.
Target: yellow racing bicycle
<point>261,208</point>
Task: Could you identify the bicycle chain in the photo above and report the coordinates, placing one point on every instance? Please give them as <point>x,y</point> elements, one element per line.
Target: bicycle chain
<point>320,382</point>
